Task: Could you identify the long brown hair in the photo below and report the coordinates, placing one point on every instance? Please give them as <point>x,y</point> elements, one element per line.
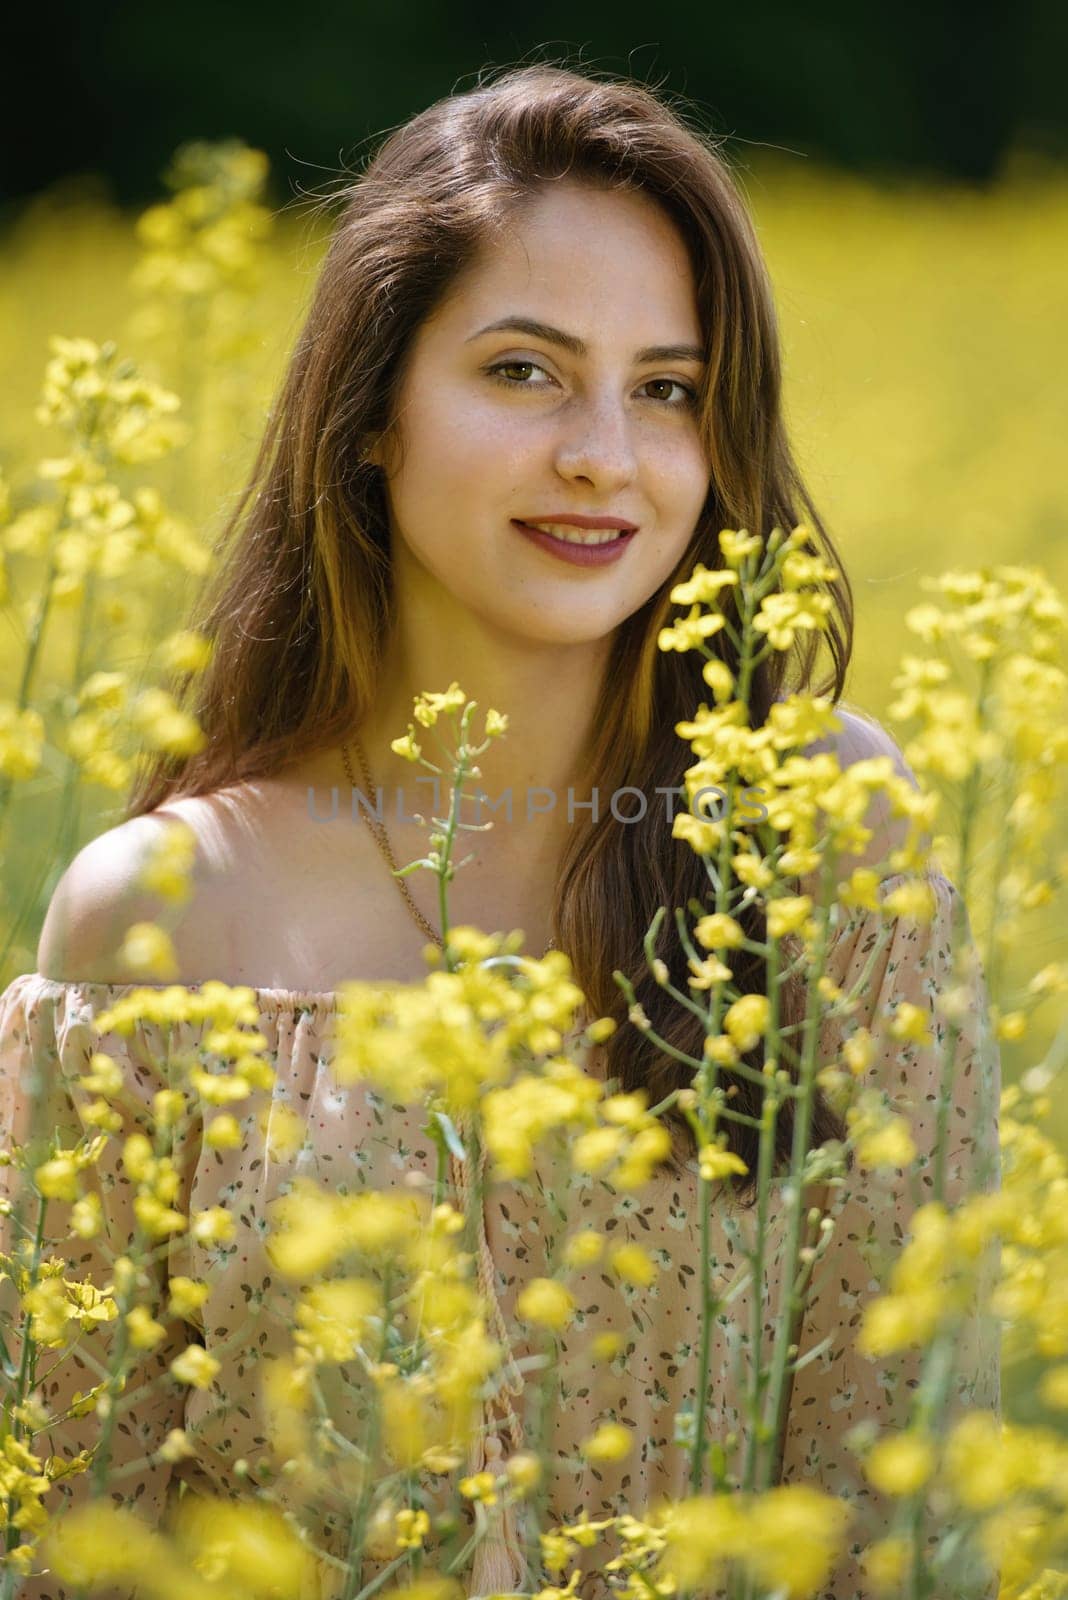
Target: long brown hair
<point>299,605</point>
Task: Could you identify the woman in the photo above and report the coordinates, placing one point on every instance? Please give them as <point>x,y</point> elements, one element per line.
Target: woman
<point>544,313</point>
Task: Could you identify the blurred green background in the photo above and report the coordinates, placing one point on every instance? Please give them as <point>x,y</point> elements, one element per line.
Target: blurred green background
<point>933,89</point>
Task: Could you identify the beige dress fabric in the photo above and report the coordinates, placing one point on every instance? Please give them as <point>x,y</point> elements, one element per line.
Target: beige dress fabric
<point>357,1140</point>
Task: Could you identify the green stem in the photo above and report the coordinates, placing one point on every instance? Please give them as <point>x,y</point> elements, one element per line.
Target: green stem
<point>768,1120</point>
<point>708,1072</point>
<point>25,1379</point>
<point>358,1527</point>
<point>29,667</point>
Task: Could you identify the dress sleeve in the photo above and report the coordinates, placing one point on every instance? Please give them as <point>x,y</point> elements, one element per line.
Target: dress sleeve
<point>842,1387</point>
<point>46,1042</point>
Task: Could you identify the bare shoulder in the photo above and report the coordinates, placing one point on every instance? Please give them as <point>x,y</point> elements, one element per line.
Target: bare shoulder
<point>101,893</point>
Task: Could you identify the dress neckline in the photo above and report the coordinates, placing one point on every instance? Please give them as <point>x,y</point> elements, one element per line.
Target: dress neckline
<point>270,998</point>
<point>273,999</point>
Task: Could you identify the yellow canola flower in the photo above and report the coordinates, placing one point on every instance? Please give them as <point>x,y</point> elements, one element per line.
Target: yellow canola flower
<point>407,747</point>
<point>213,1226</point>
<point>703,586</point>
<point>889,1146</point>
<point>147,948</point>
<point>311,1228</point>
<point>546,1303</point>
<point>219,1088</point>
<point>720,1049</point>
<point>157,1219</point>
<point>717,931</point>
<point>168,1107</point>
<point>719,679</point>
<point>895,1322</point>
<point>752,870</point>
<point>858,1051</point>
<point>606,1346</point>
<point>186,651</point>
<point>187,1295</point>
<point>524,1471</point>
<point>195,1366</point>
<point>57,1179</point>
<point>701,1535</point>
<point>21,741</point>
<point>795,1535</point>
<point>715,1163</point>
<point>746,1020</point>
<point>644,1152</point>
<point>430,1588</point>
<point>594,1150</point>
<point>427,707</point>
<point>611,1442</point>
<point>584,1248</point>
<point>284,1130</point>
<point>900,1465</point>
<point>99,1544</point>
<point>104,1077</point>
<point>459,1033</point>
<point>49,1310</point>
<point>633,1264</point>
<point>168,865</point>
<point>788,914</point>
<point>243,1548</point>
<point>707,973</point>
<point>909,1023</point>
<point>517,1117</point>
<point>886,1562</point>
<point>223,1133</point>
<point>177,1446</point>
<point>987,1463</point>
<point>915,901</point>
<point>412,1528</point>
<point>332,1318</point>
<point>164,726</point>
<point>859,890</point>
<point>737,545</point>
<point>1053,1388</point>
<point>104,690</point>
<point>480,1486</point>
<point>144,1331</point>
<point>782,616</point>
<point>691,631</point>
<point>87,1216</point>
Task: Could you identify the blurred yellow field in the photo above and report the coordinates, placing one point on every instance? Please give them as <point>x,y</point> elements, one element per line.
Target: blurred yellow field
<point>923,330</point>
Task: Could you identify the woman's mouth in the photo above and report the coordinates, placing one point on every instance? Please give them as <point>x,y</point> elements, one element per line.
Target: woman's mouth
<point>582,547</point>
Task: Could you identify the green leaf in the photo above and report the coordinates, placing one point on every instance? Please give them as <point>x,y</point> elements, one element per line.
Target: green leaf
<point>448,1129</point>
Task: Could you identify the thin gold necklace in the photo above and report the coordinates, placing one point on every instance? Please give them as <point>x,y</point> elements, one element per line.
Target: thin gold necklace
<point>381,838</point>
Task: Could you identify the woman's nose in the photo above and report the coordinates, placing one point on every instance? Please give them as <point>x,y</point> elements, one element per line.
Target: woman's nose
<point>596,444</point>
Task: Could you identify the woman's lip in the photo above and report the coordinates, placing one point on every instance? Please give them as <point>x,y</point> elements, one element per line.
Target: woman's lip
<point>576,555</point>
<point>576,520</point>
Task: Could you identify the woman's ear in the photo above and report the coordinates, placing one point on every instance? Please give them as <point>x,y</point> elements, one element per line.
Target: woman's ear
<point>373,450</point>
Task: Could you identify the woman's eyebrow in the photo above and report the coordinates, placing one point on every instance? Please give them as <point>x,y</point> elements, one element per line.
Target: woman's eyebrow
<point>577,347</point>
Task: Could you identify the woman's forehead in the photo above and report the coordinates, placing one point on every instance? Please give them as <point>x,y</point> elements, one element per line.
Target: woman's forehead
<point>591,263</point>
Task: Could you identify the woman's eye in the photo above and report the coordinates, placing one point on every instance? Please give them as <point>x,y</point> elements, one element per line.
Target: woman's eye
<point>688,395</point>
<point>501,369</point>
<point>510,366</point>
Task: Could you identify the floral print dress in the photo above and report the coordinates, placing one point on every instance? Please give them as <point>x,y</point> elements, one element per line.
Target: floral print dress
<point>359,1141</point>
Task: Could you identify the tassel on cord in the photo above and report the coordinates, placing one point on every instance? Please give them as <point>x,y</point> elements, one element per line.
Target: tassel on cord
<point>500,1565</point>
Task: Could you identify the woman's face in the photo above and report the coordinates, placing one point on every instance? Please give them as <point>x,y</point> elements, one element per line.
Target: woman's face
<point>499,425</point>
